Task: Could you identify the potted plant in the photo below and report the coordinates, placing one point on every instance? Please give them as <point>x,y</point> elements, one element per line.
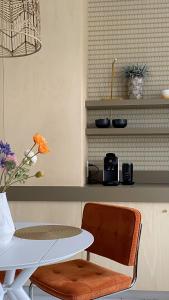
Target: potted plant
<point>12,172</point>
<point>135,75</point>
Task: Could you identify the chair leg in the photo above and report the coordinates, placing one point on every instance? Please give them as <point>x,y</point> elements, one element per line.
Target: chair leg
<point>31,291</point>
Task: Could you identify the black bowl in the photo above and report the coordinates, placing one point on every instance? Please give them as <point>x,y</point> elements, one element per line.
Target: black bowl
<point>102,123</point>
<point>119,123</point>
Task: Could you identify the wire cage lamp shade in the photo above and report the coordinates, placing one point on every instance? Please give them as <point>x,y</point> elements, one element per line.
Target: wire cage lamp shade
<point>19,27</point>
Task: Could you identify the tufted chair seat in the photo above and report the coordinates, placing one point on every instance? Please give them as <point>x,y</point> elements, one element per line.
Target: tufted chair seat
<point>79,279</point>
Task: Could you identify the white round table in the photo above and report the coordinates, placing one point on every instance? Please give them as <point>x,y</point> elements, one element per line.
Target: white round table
<point>28,255</point>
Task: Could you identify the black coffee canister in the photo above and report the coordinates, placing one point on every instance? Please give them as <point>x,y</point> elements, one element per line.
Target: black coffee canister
<point>127,173</point>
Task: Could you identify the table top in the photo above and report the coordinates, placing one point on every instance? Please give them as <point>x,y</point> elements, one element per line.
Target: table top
<point>22,253</point>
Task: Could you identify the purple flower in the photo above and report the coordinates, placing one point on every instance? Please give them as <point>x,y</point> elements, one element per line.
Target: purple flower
<point>5,151</point>
<point>5,148</point>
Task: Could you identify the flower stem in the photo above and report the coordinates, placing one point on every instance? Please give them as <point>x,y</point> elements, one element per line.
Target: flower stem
<point>23,162</point>
<point>31,149</point>
<point>1,178</point>
<point>18,181</point>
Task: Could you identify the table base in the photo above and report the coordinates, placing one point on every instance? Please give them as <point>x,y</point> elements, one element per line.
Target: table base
<point>12,288</point>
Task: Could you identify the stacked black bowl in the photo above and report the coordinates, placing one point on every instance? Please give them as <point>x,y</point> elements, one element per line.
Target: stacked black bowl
<point>119,123</point>
<point>116,123</point>
<point>102,123</point>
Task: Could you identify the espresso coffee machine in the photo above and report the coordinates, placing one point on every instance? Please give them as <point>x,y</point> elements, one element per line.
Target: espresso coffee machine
<point>111,170</point>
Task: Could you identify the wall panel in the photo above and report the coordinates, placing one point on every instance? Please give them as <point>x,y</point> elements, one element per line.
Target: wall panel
<point>45,93</point>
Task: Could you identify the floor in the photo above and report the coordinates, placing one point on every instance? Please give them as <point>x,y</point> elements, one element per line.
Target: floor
<point>131,295</point>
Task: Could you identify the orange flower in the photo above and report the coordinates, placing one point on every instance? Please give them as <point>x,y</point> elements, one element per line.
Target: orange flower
<point>43,148</point>
<point>41,142</point>
<point>39,139</point>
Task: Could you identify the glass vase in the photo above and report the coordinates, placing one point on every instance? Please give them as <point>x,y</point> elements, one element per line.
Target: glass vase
<point>135,87</point>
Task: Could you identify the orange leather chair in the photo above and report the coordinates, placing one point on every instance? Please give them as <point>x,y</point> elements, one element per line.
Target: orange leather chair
<point>116,232</point>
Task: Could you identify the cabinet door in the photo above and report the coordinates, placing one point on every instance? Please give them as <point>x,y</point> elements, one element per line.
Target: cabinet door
<point>68,213</point>
<point>153,267</point>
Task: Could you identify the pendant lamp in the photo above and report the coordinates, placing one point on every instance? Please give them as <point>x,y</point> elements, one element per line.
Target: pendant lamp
<point>19,27</point>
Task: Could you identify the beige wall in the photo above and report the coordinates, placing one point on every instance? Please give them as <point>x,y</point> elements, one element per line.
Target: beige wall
<point>46,92</point>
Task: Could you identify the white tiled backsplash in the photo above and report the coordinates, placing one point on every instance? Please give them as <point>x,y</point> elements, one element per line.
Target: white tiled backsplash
<point>140,118</point>
<point>147,153</point>
<point>133,31</point>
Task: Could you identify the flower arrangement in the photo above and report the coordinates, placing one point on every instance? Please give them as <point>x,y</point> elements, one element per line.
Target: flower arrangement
<point>13,172</point>
<point>135,71</point>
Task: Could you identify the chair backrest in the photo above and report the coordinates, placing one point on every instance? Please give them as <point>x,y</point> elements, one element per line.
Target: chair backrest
<point>115,229</point>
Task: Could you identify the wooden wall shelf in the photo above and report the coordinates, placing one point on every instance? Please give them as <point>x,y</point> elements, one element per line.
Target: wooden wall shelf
<point>126,131</point>
<point>127,104</point>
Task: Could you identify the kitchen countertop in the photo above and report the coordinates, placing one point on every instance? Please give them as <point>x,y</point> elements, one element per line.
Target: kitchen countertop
<point>96,192</point>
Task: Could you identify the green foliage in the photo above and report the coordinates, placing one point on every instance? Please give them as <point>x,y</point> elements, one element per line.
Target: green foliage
<point>27,160</point>
<point>9,165</point>
<point>22,174</point>
<point>132,71</point>
<point>16,175</point>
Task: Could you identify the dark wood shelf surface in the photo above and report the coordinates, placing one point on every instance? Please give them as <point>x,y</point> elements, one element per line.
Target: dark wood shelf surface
<point>126,131</point>
<point>127,104</point>
<point>152,193</point>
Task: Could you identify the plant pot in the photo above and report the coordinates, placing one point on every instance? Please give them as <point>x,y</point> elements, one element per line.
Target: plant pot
<point>7,227</point>
<point>135,87</point>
